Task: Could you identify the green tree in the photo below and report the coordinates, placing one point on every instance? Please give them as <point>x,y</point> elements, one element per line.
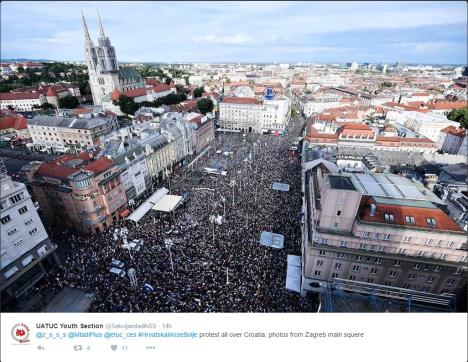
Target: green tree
<point>182,97</point>
<point>205,105</point>
<point>127,104</point>
<point>68,102</point>
<point>20,69</point>
<point>168,80</point>
<point>171,98</point>
<point>460,116</point>
<point>43,106</point>
<point>197,92</point>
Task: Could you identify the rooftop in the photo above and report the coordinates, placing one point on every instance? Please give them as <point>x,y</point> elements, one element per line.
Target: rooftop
<point>68,122</point>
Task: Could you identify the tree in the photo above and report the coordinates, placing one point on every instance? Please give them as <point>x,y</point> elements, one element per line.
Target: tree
<point>127,104</point>
<point>168,80</point>
<point>43,106</point>
<point>197,92</point>
<point>205,105</point>
<point>68,102</point>
<point>20,69</point>
<point>460,116</point>
<point>145,104</point>
<point>171,98</point>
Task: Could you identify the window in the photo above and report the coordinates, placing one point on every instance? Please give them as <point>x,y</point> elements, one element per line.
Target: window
<point>22,210</point>
<point>450,243</point>
<point>407,239</point>
<point>382,248</point>
<point>426,266</point>
<point>406,286</point>
<point>335,225</point>
<point>431,221</point>
<point>370,280</point>
<point>389,218</point>
<point>319,262</point>
<point>409,219</point>
<point>457,271</point>
<point>317,273</point>
<point>397,263</point>
<point>352,277</point>
<point>12,232</point>
<point>426,289</point>
<point>356,268</point>
<point>335,275</point>
<point>16,198</point>
<point>386,237</point>
<point>393,273</point>
<point>402,251</point>
<point>429,241</point>
<point>430,279</point>
<point>451,282</point>
<point>33,231</point>
<point>417,266</point>
<point>378,260</point>
<point>344,243</point>
<point>338,213</point>
<point>362,246</point>
<point>340,256</point>
<point>411,276</point>
<point>366,234</point>
<point>338,266</point>
<point>322,252</point>
<point>359,258</point>
<point>5,219</point>
<point>18,242</point>
<point>374,270</point>
<point>388,283</point>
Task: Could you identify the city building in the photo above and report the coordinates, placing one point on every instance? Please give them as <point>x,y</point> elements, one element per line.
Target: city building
<point>379,229</point>
<point>82,191</point>
<point>67,132</point>
<point>26,250</point>
<point>22,101</point>
<point>105,75</point>
<point>453,140</point>
<point>13,123</point>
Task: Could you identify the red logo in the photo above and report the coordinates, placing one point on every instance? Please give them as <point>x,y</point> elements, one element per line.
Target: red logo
<point>20,333</point>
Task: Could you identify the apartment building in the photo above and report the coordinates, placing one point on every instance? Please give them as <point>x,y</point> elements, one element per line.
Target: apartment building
<point>83,191</point>
<point>25,247</point>
<point>378,229</point>
<point>22,101</point>
<point>253,115</point>
<point>65,133</point>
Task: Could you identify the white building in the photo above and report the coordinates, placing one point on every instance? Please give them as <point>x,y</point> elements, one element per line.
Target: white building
<point>62,133</point>
<point>21,101</point>
<point>320,103</point>
<point>276,114</point>
<point>426,124</point>
<point>25,243</point>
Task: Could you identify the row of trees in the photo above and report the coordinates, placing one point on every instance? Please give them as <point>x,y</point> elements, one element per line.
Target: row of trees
<point>129,106</point>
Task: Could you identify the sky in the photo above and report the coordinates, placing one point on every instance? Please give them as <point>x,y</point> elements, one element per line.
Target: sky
<point>283,32</point>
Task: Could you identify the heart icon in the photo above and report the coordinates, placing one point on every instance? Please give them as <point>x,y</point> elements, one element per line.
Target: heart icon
<point>113,347</point>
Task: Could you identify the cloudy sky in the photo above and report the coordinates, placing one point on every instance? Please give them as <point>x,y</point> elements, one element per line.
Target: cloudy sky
<point>412,32</point>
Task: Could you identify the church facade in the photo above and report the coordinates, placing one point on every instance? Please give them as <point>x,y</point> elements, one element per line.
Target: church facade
<point>105,75</point>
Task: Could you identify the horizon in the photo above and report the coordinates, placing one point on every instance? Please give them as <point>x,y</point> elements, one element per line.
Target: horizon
<point>247,33</point>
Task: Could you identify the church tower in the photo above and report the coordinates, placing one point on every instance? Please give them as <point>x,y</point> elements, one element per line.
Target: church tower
<point>105,76</point>
<point>102,64</point>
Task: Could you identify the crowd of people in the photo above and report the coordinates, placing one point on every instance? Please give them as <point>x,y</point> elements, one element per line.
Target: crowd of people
<point>207,266</point>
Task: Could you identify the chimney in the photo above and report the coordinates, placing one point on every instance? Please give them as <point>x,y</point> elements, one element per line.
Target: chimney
<point>372,209</point>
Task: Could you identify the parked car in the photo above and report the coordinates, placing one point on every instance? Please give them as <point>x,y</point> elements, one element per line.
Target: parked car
<point>117,271</point>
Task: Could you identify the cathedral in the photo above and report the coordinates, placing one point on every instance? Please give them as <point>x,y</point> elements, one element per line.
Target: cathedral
<point>105,75</point>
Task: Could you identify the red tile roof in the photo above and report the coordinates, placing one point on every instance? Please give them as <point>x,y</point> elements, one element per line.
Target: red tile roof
<point>14,121</point>
<point>440,105</point>
<point>51,92</point>
<point>242,100</point>
<point>460,132</point>
<point>158,88</point>
<point>443,222</point>
<point>18,95</point>
<point>99,165</point>
<point>135,92</point>
<point>115,95</point>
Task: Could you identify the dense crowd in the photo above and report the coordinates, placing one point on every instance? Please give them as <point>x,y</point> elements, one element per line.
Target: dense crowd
<point>209,267</point>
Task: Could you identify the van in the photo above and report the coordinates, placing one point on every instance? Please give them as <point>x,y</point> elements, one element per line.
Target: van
<point>117,271</point>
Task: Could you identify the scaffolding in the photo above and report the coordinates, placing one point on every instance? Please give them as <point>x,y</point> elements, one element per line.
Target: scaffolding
<point>349,296</point>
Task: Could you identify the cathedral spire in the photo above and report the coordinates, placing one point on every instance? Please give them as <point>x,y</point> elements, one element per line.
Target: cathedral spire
<point>88,40</point>
<point>101,28</point>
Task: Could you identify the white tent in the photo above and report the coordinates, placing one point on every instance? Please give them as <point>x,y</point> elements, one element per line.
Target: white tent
<point>143,209</point>
<point>167,203</point>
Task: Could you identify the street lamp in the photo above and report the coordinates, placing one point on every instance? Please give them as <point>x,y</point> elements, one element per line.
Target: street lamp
<point>212,220</point>
<point>169,243</point>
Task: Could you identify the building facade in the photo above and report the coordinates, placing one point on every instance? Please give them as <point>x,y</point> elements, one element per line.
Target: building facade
<point>22,101</point>
<point>377,229</point>
<point>25,246</point>
<point>83,192</point>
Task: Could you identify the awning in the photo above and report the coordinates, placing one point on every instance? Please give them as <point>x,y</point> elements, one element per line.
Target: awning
<point>143,209</point>
<point>272,240</point>
<point>124,213</point>
<point>278,186</point>
<point>168,203</point>
<point>294,273</point>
